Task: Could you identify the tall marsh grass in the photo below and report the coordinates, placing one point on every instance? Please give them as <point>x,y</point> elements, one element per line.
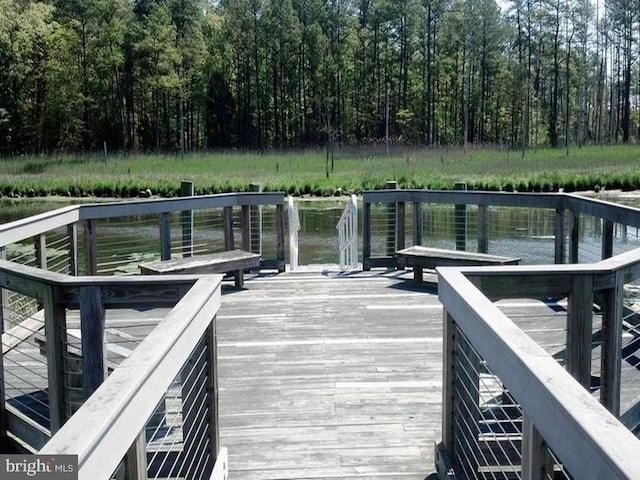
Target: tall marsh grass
<point>313,173</point>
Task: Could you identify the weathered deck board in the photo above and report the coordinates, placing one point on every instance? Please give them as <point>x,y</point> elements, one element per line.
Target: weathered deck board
<point>332,377</point>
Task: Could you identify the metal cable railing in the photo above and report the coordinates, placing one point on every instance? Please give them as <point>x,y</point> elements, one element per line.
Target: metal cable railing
<point>489,422</point>
<point>181,424</point>
<point>163,403</point>
<point>25,368</point>
<point>500,382</point>
<point>123,242</point>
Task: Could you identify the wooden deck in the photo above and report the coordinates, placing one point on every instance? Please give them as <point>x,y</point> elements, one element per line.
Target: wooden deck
<point>329,376</point>
<point>324,375</point>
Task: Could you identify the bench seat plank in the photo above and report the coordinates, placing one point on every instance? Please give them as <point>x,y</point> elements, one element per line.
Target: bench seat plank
<point>420,257</point>
<point>221,262</point>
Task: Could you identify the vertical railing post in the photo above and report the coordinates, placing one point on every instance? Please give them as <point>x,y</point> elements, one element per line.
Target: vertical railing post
<point>165,236</point>
<point>229,240</point>
<point>280,237</point>
<point>418,223</point>
<point>41,251</point>
<point>448,382</point>
<point>536,461</point>
<point>483,228</point>
<point>55,333</point>
<point>91,246</point>
<point>366,235</point>
<point>574,236</point>
<point>611,358</point>
<point>187,190</point>
<point>72,234</point>
<point>211,338</point>
<point>460,220</point>
<point>256,222</point>
<point>579,329</point>
<point>135,461</point>
<point>92,325</point>
<point>607,239</point>
<point>560,234</point>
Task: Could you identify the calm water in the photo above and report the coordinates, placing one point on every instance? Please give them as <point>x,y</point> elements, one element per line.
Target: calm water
<point>522,232</point>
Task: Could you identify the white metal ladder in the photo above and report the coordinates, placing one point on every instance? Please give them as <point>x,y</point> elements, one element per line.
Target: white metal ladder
<point>294,227</point>
<point>348,236</point>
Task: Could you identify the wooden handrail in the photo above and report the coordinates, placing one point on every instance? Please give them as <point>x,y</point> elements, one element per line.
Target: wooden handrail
<point>102,430</point>
<point>562,410</point>
<point>26,228</point>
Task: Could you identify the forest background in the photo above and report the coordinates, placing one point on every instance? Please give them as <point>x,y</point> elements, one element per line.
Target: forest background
<point>195,75</point>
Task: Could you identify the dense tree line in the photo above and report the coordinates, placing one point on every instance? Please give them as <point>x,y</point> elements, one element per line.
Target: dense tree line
<point>187,75</point>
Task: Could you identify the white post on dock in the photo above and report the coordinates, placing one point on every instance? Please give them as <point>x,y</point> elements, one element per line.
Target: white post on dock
<point>294,227</point>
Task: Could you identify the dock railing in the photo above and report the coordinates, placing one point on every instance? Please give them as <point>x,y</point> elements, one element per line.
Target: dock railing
<point>513,408</point>
<point>156,408</point>
<point>122,427</point>
<point>414,212</point>
<point>82,240</point>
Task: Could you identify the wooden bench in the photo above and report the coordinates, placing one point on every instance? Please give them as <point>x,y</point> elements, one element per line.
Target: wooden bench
<point>420,257</point>
<point>236,261</point>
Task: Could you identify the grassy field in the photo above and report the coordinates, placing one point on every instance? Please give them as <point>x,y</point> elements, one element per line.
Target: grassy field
<point>311,173</point>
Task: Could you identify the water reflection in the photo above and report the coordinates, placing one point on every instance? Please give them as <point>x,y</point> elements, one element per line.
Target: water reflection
<point>513,231</point>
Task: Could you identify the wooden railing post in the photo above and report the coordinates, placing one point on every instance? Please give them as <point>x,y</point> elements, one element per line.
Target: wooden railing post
<point>91,246</point>
<point>366,235</point>
<point>245,226</point>
<point>165,236</point>
<point>579,329</point>
<point>135,462</point>
<point>483,229</point>
<point>448,382</point>
<point>55,333</point>
<point>560,233</point>
<point>607,239</point>
<point>41,251</point>
<point>536,461</point>
<point>460,220</point>
<point>574,236</point>
<point>211,338</point>
<point>611,358</point>
<point>229,241</point>
<point>187,190</point>
<point>92,324</point>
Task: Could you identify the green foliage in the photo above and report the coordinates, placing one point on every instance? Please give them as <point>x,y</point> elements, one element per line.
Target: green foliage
<point>189,75</point>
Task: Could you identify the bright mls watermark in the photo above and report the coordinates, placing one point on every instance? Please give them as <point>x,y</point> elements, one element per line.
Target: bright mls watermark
<point>39,467</point>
